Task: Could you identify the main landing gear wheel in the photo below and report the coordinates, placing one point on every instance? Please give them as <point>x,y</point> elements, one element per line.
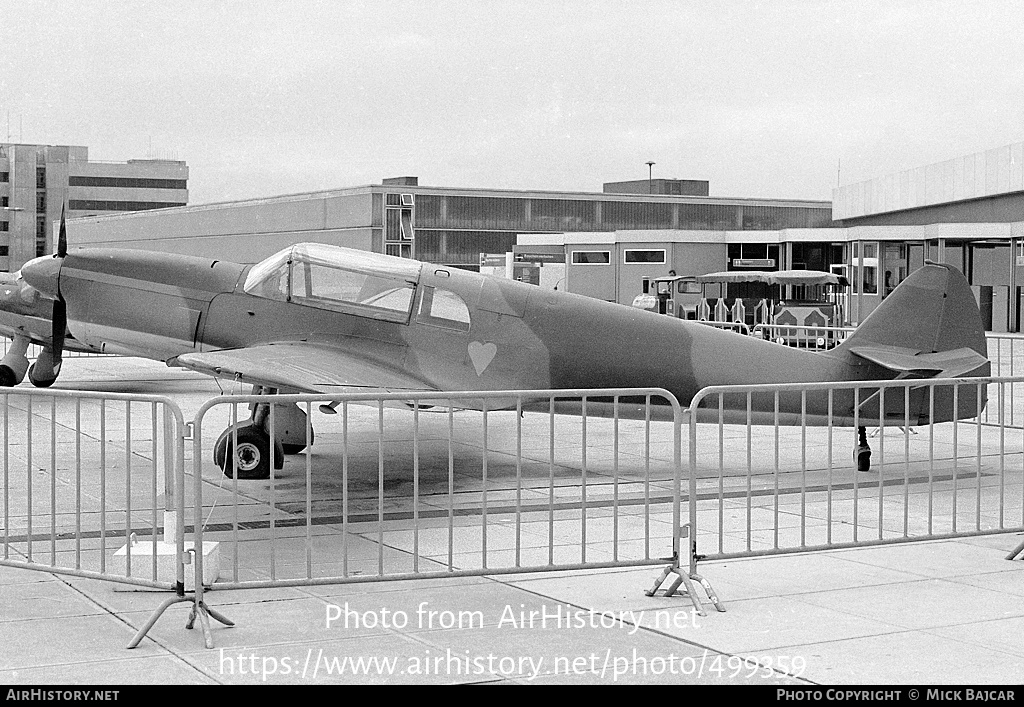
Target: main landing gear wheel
<point>863,451</point>
<point>251,457</point>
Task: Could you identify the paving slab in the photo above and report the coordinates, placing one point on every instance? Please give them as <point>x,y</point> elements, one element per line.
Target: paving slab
<point>937,612</point>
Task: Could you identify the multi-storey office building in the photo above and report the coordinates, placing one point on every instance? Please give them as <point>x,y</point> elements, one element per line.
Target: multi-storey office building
<point>37,180</point>
<point>443,225</point>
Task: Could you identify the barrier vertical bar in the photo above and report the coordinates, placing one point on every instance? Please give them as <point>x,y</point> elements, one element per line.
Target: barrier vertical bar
<point>551,480</point>
<point>128,486</point>
<point>78,483</point>
<point>775,542</point>
<point>1002,447</point>
<point>977,500</point>
<point>750,472</point>
<point>831,466</point>
<point>415,486</point>
<point>28,474</point>
<point>519,480</point>
<point>856,437</point>
<point>583,487</point>
<point>380,486</point>
<point>154,493</point>
<point>103,485</point>
<point>483,489</point>
<point>237,546</point>
<point>615,478</point>
<point>906,461</point>
<point>344,488</point>
<point>721,473</point>
<point>931,458</point>
<point>647,476</point>
<point>956,448</point>
<point>7,476</point>
<point>272,432</point>
<point>881,460</point>
<point>309,489</point>
<point>451,488</point>
<point>803,468</point>
<point>53,481</point>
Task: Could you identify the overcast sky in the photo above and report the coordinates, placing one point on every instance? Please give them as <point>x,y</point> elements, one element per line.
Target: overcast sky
<point>763,99</point>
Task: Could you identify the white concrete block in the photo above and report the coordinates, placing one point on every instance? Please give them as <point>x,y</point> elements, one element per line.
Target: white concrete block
<point>142,562</point>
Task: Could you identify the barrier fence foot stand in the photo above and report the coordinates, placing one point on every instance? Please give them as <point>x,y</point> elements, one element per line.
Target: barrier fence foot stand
<point>686,576</point>
<point>178,598</point>
<point>204,612</point>
<point>1016,551</point>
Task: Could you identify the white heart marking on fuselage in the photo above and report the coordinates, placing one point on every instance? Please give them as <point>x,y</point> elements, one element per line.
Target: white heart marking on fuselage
<point>481,355</point>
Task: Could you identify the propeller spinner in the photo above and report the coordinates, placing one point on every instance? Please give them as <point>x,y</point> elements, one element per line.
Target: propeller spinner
<point>44,275</point>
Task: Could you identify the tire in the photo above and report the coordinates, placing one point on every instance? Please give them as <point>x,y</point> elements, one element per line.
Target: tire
<point>252,457</point>
<point>864,460</point>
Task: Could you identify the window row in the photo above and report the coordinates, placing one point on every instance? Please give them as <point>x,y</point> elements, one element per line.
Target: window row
<point>128,182</point>
<point>630,256</point>
<point>97,205</point>
<point>578,215</point>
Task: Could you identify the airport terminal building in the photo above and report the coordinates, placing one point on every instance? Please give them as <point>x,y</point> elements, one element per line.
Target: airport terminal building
<point>37,180</point>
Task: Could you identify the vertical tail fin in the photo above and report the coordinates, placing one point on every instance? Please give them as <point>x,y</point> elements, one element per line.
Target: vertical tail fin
<point>932,311</point>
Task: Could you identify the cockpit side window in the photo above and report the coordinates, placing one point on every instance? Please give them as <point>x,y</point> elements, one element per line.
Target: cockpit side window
<point>443,308</point>
<point>351,291</point>
<point>337,279</point>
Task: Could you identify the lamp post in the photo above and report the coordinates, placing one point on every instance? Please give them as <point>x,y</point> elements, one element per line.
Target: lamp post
<point>650,175</point>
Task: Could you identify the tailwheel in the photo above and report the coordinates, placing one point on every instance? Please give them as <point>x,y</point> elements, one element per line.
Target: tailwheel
<point>863,451</point>
<point>252,455</point>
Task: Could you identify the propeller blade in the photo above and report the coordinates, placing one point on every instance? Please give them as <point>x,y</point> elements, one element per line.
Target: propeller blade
<point>60,326</point>
<point>62,238</point>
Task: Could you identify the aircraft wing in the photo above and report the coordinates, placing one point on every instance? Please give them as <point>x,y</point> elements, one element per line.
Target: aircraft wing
<point>299,367</point>
<point>944,364</point>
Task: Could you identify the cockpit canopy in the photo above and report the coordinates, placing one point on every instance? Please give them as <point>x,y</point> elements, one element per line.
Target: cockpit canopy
<point>340,279</point>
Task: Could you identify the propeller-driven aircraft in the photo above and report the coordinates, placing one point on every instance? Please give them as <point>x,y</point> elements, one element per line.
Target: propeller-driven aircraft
<point>319,318</point>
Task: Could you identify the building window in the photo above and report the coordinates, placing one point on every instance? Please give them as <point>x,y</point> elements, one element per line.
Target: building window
<point>40,177</point>
<point>4,226</point>
<point>647,257</point>
<point>5,201</point>
<point>563,215</point>
<point>41,236</point>
<point>635,214</point>
<point>95,205</point>
<point>5,176</point>
<point>128,182</point>
<point>591,257</point>
<point>398,250</point>
<point>41,202</point>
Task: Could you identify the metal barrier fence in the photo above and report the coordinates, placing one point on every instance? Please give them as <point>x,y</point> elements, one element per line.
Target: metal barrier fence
<point>814,338</point>
<point>455,484</point>
<point>1006,353</point>
<point>800,490</point>
<point>738,327</point>
<point>89,482</point>
<point>439,485</point>
<point>34,349</point>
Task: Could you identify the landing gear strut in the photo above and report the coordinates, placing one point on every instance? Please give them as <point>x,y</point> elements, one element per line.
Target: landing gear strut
<point>252,454</point>
<point>863,451</point>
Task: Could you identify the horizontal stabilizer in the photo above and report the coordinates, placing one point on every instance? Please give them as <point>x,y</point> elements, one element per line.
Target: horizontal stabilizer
<point>943,364</point>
